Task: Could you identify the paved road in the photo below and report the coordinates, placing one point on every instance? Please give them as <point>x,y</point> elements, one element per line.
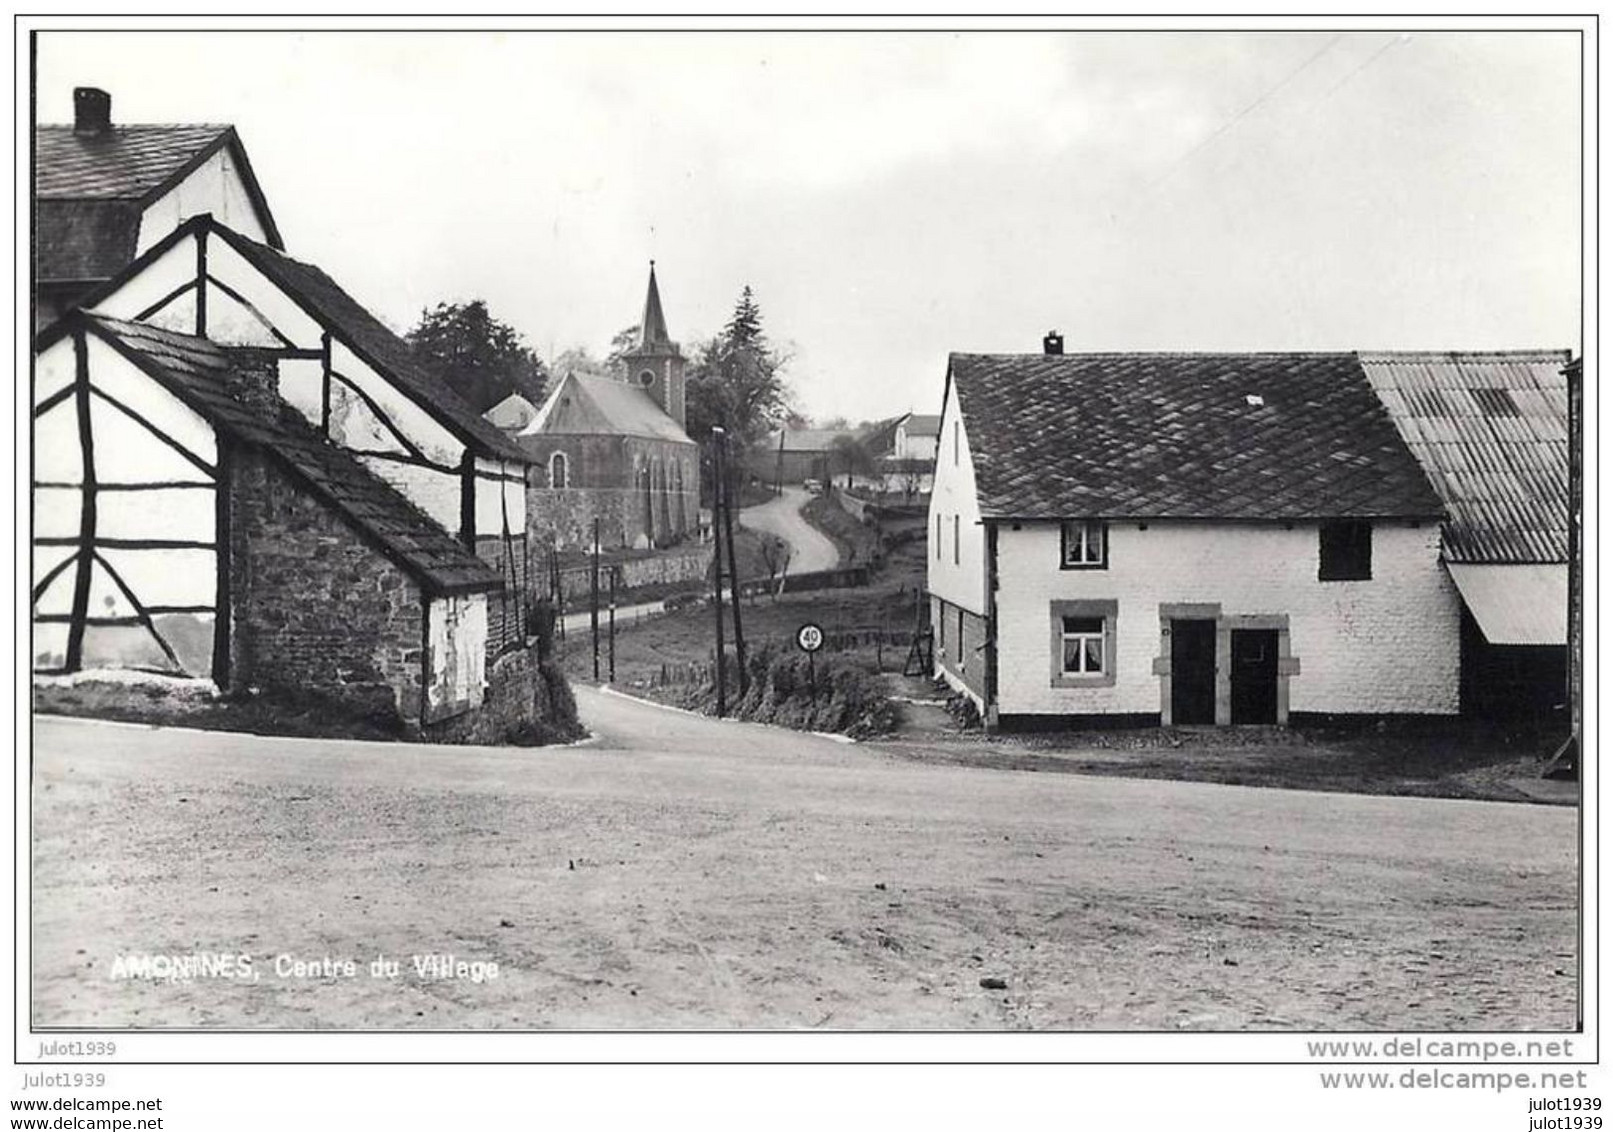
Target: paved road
<point>810,548</point>
<point>686,872</point>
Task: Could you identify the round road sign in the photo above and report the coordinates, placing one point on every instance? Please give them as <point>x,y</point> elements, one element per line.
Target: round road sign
<point>809,637</point>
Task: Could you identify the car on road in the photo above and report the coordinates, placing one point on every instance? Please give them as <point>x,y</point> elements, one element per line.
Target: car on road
<point>813,486</point>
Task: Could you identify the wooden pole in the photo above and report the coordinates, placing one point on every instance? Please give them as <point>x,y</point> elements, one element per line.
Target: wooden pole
<point>593,600</point>
<point>613,573</point>
<point>716,568</point>
<point>733,568</point>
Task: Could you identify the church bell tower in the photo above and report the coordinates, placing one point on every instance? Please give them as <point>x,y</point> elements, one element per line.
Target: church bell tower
<point>656,364</point>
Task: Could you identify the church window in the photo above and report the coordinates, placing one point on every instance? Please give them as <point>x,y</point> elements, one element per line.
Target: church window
<point>559,474</point>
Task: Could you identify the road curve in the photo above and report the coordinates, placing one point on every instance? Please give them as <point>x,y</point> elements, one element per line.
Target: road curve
<point>810,548</point>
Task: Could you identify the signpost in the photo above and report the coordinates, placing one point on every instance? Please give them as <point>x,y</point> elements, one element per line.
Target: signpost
<point>809,639</point>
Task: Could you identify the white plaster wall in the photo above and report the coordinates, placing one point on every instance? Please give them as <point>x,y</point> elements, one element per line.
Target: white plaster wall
<point>457,646</point>
<point>159,278</point>
<point>302,386</point>
<point>414,422</point>
<point>914,447</point>
<point>54,370</point>
<point>436,493</point>
<point>963,583</point>
<point>489,513</point>
<point>231,324</point>
<point>1384,645</point>
<point>129,456</point>
<point>214,186</point>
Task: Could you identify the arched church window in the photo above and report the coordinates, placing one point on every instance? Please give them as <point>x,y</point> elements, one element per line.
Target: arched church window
<point>558,471</point>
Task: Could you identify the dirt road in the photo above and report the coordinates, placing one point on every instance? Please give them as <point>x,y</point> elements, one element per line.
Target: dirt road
<point>687,872</point>
<point>810,548</point>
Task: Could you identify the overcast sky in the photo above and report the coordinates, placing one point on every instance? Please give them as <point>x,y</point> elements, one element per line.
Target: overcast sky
<point>893,197</point>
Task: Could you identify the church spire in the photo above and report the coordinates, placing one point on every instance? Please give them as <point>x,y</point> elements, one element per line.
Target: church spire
<point>655,338</point>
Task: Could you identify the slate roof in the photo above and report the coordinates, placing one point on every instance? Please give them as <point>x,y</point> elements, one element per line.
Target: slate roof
<point>653,337</point>
<point>601,406</point>
<point>372,340</point>
<point>1491,431</point>
<point>923,424</point>
<point>1176,436</point>
<point>105,180</point>
<point>195,371</point>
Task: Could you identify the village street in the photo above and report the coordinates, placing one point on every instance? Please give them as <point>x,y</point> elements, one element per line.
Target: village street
<point>810,548</point>
<point>684,872</point>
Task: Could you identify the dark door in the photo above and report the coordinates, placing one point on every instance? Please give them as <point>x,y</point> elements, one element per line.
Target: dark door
<point>1192,672</point>
<point>1254,676</point>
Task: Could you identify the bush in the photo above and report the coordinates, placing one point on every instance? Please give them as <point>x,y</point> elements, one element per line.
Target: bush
<point>785,690</point>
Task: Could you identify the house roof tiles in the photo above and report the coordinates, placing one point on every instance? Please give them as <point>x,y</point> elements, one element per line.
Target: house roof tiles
<point>1187,436</point>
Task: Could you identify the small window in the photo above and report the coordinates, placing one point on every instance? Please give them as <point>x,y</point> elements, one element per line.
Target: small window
<point>1346,552</point>
<point>1083,646</point>
<point>957,535</point>
<point>938,538</point>
<point>558,472</point>
<point>1085,545</point>
<point>941,628</point>
<point>957,445</point>
<point>646,379</point>
<point>959,640</point>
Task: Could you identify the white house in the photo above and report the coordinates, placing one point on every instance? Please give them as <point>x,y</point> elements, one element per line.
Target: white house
<point>350,376</point>
<point>104,193</point>
<point>916,437</point>
<point>1181,539</point>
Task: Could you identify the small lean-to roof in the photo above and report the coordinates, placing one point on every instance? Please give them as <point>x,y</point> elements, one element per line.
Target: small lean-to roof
<point>601,406</point>
<point>106,179</point>
<point>1516,604</point>
<point>373,341</point>
<point>806,439</point>
<point>195,370</point>
<point>1491,431</point>
<point>513,413</point>
<point>1183,436</point>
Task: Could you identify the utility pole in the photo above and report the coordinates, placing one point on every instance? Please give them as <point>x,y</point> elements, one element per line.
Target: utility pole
<point>733,567</point>
<point>614,571</point>
<point>593,599</point>
<point>716,563</point>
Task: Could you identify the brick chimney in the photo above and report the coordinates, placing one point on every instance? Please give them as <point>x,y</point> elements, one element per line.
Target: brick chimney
<point>1053,343</point>
<point>254,379</point>
<point>92,110</point>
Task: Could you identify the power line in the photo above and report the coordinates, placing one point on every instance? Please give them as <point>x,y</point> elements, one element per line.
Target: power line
<point>1245,112</point>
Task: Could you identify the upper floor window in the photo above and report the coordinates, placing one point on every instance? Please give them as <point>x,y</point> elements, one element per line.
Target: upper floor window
<point>957,444</point>
<point>1084,545</point>
<point>957,540</point>
<point>1346,552</point>
<point>558,472</point>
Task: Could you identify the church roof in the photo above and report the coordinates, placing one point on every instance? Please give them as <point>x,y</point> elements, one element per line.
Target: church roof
<point>654,338</point>
<point>602,406</point>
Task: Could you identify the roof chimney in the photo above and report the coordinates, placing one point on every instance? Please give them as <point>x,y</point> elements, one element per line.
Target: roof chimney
<point>92,110</point>
<point>1053,343</point>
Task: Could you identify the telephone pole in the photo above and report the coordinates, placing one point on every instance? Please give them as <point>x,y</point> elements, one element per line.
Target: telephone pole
<point>723,477</point>
<point>716,563</point>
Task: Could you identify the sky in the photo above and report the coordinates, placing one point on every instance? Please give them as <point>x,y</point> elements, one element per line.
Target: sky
<point>893,197</point>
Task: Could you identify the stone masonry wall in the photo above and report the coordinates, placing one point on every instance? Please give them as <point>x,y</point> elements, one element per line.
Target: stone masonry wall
<point>313,605</point>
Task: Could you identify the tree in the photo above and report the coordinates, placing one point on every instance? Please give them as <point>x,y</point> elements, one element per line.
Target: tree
<point>479,357</point>
<point>735,380</point>
<point>623,343</point>
<point>853,457</point>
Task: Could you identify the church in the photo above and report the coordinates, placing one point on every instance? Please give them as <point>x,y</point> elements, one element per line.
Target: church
<point>616,451</point>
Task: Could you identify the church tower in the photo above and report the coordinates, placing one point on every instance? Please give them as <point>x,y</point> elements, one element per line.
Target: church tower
<point>656,364</point>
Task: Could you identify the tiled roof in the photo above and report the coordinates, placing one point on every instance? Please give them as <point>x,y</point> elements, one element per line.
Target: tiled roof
<point>195,371</point>
<point>371,339</point>
<point>603,406</point>
<point>83,240</point>
<point>1491,431</point>
<point>1184,436</point>
<point>123,163</point>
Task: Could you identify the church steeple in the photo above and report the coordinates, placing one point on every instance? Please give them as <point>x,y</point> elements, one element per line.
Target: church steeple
<point>654,339</point>
<point>656,364</point>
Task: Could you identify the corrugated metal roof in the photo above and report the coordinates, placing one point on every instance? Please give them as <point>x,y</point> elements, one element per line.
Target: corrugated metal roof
<point>603,406</point>
<point>1516,605</point>
<point>1491,432</point>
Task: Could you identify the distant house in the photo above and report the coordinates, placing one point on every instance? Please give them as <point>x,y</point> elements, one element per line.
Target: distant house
<point>105,193</point>
<point>793,455</point>
<point>1491,432</point>
<point>1183,539</point>
<point>512,414</point>
<point>916,437</point>
<point>615,452</point>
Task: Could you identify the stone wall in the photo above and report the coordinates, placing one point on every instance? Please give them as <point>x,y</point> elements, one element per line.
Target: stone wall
<point>313,605</point>
<point>690,563</point>
<point>605,478</point>
<point>526,700</point>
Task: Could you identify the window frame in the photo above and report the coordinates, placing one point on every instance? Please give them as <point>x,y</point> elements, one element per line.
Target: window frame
<point>565,471</point>
<point>1346,561</point>
<point>1086,527</point>
<point>1107,612</point>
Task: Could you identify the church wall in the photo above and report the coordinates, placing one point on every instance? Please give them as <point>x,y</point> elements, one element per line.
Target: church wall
<point>605,478</point>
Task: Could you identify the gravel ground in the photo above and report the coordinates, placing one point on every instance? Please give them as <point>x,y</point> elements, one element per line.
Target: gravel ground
<point>681,872</point>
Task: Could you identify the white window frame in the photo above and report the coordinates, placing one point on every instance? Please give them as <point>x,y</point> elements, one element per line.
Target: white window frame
<point>1083,638</point>
<point>1089,539</point>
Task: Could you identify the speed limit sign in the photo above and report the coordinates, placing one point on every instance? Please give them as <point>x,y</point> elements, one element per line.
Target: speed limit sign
<point>809,637</point>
